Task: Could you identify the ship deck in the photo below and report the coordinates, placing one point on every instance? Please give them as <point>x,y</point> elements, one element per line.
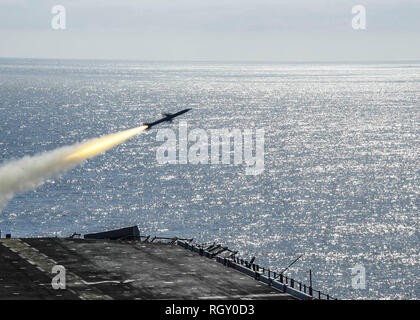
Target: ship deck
<point>113,269</point>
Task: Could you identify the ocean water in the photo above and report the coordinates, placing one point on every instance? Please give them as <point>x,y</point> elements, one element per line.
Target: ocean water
<point>341,177</point>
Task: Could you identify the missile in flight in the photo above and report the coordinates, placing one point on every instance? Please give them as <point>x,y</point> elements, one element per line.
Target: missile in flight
<point>168,118</point>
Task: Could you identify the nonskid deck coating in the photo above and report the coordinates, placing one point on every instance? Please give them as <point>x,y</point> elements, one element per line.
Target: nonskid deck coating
<point>101,269</point>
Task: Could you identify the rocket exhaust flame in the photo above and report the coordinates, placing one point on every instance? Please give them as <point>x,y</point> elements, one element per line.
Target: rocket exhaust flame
<point>93,147</point>
<point>30,172</point>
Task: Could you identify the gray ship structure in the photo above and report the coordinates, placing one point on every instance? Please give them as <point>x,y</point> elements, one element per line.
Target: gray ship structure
<point>122,264</point>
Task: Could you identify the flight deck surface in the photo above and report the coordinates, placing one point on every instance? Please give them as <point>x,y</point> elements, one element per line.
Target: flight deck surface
<point>113,269</point>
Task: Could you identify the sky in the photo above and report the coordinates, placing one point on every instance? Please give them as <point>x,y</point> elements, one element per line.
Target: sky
<point>216,30</point>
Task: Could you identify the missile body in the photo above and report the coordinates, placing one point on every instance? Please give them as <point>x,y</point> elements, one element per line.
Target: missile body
<point>168,118</point>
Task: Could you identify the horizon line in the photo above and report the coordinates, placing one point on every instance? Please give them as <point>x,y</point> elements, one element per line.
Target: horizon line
<point>214,60</point>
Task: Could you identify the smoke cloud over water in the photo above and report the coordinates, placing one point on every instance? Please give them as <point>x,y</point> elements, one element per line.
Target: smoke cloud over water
<point>30,172</point>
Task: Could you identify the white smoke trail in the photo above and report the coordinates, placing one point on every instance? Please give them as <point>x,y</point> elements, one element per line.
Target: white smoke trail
<point>30,172</point>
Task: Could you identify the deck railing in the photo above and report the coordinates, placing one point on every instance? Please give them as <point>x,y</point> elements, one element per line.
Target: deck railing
<point>279,280</point>
<point>229,258</point>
